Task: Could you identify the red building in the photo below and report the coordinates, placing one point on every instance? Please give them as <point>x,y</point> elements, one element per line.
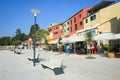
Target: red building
<point>76,21</point>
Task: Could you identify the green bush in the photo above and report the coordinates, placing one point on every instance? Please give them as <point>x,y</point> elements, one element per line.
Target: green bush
<point>108,47</point>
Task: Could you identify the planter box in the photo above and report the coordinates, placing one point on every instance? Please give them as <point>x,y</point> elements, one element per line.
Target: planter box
<point>111,54</point>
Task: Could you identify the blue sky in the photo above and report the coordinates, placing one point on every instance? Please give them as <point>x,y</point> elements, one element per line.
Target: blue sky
<point>16,14</point>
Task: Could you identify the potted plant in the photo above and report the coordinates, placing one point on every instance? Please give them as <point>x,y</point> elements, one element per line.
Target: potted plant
<point>109,49</point>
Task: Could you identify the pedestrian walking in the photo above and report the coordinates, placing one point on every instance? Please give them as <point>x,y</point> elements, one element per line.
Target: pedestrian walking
<point>68,49</point>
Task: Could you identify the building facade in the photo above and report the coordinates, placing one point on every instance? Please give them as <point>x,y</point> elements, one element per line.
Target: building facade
<point>66,27</point>
<point>55,31</point>
<point>77,20</point>
<point>103,19</point>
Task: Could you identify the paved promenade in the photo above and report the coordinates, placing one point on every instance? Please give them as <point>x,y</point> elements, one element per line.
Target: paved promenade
<point>76,67</point>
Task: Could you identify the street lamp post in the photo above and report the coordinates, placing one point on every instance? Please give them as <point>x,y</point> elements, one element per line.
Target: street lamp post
<point>35,11</point>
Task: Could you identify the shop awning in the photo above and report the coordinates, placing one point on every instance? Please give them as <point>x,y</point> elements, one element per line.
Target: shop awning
<point>105,36</point>
<point>117,36</point>
<point>73,38</point>
<point>53,41</point>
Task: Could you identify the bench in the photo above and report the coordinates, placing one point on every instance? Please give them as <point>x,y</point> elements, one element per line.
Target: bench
<point>17,51</point>
<point>54,63</point>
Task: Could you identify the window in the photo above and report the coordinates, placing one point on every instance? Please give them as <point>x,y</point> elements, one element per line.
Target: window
<point>81,23</point>
<point>71,29</point>
<point>56,27</point>
<point>61,31</point>
<point>71,22</point>
<point>92,17</point>
<point>79,15</point>
<point>68,29</point>
<point>68,22</point>
<point>75,20</point>
<point>75,26</point>
<point>86,20</point>
<point>55,33</point>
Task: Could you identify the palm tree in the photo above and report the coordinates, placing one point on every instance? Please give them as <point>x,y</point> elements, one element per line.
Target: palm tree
<point>89,39</point>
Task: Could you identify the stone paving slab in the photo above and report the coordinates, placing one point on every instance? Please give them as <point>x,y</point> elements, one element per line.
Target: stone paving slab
<point>76,67</point>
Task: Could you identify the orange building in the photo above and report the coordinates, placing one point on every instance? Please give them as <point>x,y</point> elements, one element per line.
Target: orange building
<point>55,31</point>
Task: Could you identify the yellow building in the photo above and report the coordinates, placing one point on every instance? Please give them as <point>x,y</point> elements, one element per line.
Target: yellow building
<point>104,17</point>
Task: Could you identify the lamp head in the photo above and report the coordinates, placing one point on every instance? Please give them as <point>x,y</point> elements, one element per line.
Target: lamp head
<point>35,11</point>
